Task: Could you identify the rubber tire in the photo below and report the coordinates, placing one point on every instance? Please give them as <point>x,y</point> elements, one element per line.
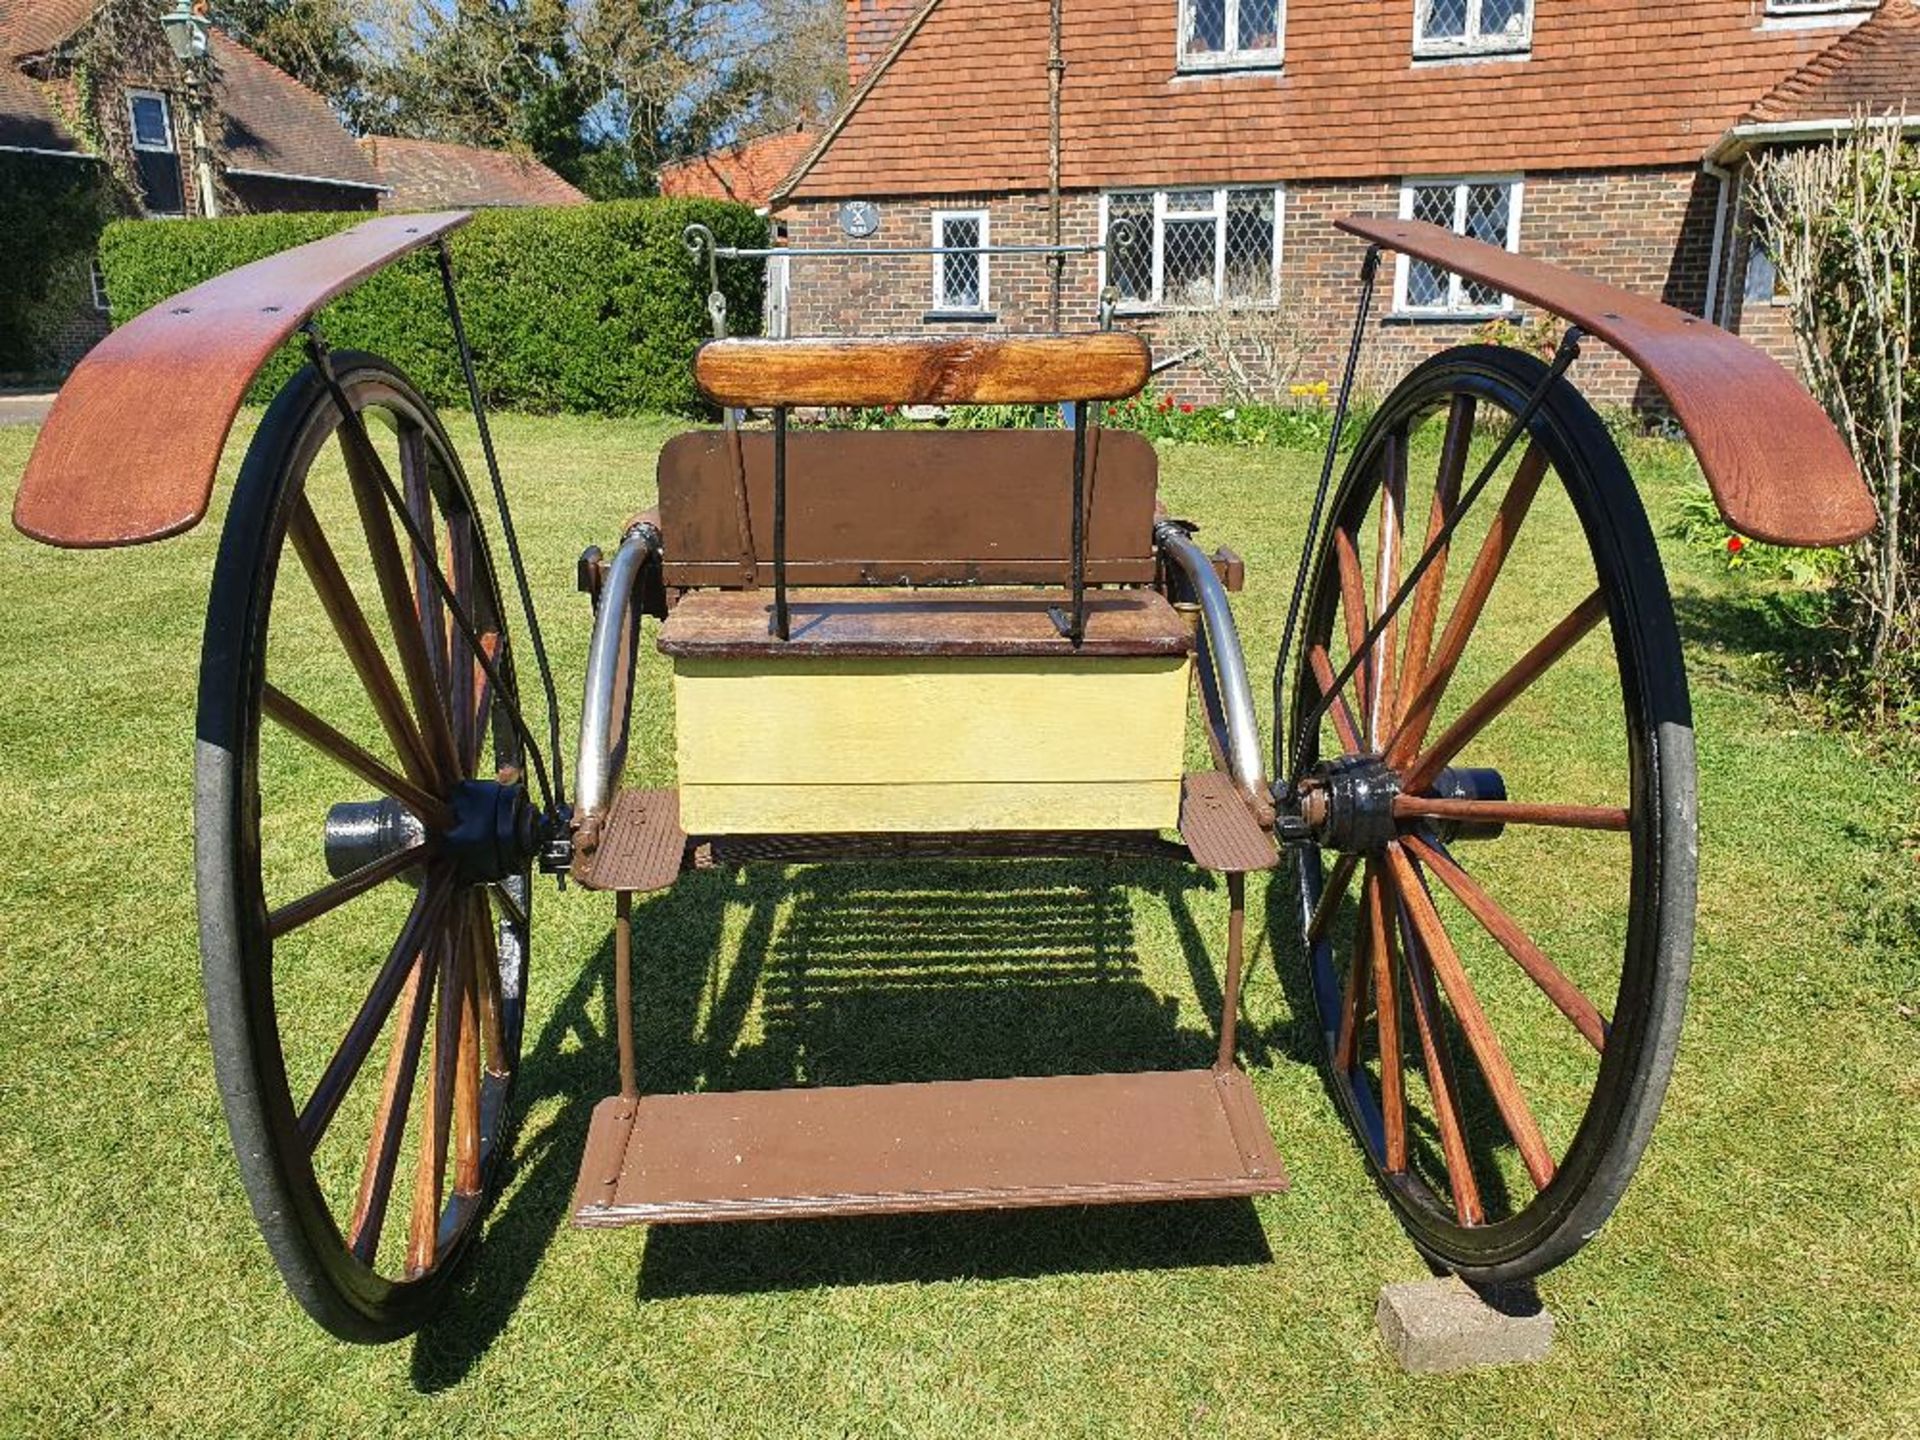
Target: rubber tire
<point>347,1298</point>
<point>1645,1034</point>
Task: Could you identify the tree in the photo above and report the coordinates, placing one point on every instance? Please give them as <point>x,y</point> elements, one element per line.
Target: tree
<point>312,40</point>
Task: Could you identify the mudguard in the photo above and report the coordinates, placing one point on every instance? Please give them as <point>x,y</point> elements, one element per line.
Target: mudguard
<point>1776,465</point>
<point>130,449</point>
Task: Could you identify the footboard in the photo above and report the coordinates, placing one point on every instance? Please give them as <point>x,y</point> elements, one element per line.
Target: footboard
<point>1778,469</point>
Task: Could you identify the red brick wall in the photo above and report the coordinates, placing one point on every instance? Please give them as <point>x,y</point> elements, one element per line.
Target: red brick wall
<point>1649,231</point>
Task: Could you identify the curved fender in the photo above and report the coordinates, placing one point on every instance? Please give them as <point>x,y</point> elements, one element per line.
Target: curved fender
<point>129,452</point>
<point>1778,469</point>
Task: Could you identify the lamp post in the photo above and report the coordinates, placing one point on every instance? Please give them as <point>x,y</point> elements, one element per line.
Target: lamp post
<point>188,32</point>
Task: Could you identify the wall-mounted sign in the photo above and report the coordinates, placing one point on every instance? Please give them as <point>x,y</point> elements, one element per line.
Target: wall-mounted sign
<point>859,218</point>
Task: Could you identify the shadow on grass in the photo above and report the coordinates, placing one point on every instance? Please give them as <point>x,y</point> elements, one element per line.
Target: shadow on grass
<point>864,975</point>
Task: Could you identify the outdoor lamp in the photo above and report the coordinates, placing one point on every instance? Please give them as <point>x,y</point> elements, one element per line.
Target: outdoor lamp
<point>187,26</point>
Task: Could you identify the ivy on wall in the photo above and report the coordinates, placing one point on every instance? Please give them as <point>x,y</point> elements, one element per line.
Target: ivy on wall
<point>52,212</point>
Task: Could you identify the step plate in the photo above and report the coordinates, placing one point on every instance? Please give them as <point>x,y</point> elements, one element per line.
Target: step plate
<point>947,1145</point>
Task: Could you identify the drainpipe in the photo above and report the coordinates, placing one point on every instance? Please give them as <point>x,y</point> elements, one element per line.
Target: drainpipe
<point>1056,72</point>
<point>1714,309</point>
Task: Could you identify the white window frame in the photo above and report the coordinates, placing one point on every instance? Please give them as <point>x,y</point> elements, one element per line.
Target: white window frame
<point>1473,44</point>
<point>166,114</point>
<point>1234,57</point>
<point>1455,307</point>
<point>1818,7</point>
<point>941,304</point>
<point>97,279</point>
<point>1157,301</point>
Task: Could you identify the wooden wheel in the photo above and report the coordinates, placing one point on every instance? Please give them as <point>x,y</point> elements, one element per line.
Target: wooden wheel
<point>363,842</point>
<point>1498,908</point>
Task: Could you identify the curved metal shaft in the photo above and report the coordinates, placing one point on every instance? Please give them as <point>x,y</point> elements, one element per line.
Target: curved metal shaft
<point>602,750</point>
<point>1241,725</point>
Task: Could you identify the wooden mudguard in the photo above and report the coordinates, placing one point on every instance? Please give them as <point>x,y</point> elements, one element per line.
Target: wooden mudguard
<point>130,450</point>
<point>1778,469</point>
<point>1008,370</point>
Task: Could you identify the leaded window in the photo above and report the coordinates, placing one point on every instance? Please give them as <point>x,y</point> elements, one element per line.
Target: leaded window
<point>1472,27</point>
<point>1216,34</point>
<point>1486,210</point>
<point>960,276</point>
<point>1191,249</point>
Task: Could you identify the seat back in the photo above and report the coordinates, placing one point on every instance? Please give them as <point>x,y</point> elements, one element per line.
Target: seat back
<point>890,507</point>
<point>924,370</point>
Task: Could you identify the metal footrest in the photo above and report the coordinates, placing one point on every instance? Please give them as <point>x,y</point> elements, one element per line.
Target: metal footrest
<point>946,1145</point>
<point>1219,828</point>
<point>640,845</point>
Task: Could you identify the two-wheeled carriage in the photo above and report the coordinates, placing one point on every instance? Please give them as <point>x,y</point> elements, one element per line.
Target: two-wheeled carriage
<point>895,645</point>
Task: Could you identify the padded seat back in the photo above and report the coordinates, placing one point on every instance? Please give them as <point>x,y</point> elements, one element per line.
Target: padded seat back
<point>890,507</point>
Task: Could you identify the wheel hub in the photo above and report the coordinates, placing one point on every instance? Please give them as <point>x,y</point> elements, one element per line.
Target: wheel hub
<point>1348,803</point>
<point>496,832</point>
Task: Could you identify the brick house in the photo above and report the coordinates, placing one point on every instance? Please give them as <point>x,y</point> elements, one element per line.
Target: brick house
<point>1603,134</point>
<point>276,145</point>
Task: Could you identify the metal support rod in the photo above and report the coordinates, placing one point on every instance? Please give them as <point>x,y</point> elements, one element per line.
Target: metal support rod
<point>623,992</point>
<point>782,620</point>
<point>507,531</point>
<point>1563,358</point>
<point>1369,274</point>
<point>1235,690</point>
<point>601,750</point>
<point>1236,946</point>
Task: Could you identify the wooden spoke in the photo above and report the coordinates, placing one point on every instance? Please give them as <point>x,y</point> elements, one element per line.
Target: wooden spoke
<point>1565,995</point>
<point>331,897</point>
<point>1511,812</point>
<point>480,724</point>
<point>368,474</point>
<point>430,1170</point>
<point>1382,689</point>
<point>1492,1057</point>
<point>1344,725</point>
<point>356,638</point>
<point>466,1086</point>
<point>492,1001</point>
<point>1446,494</point>
<point>1443,1085</point>
<point>1501,535</point>
<point>1353,603</point>
<point>330,742</point>
<point>1331,894</point>
<point>1386,1000</point>
<point>390,1119</point>
<point>1477,716</point>
<point>428,908</point>
<point>462,671</point>
<point>1353,1005</point>
<point>416,489</point>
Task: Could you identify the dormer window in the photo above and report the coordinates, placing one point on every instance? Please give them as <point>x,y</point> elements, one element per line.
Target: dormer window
<point>1231,34</point>
<point>1448,29</point>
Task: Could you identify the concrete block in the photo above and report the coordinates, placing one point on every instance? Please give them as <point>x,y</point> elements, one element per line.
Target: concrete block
<point>1433,1327</point>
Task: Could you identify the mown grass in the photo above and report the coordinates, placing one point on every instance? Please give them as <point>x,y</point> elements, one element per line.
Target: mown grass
<point>1759,1279</point>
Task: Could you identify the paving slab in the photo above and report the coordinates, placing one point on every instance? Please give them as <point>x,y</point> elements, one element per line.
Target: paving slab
<point>1437,1326</point>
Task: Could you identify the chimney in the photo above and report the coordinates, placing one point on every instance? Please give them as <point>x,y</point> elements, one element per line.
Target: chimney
<point>872,27</point>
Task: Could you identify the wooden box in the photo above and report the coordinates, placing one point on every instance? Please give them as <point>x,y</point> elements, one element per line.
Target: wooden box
<point>925,711</point>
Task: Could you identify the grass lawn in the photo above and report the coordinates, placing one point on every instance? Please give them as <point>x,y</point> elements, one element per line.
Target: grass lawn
<point>1762,1276</point>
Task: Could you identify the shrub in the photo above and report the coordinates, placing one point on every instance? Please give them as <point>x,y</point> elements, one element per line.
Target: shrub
<point>1842,221</point>
<point>51,212</point>
<point>588,308</point>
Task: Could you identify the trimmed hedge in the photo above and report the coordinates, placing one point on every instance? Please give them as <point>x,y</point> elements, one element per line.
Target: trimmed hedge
<point>51,213</point>
<point>587,308</point>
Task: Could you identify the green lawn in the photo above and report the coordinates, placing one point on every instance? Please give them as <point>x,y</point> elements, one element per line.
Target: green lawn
<point>1761,1277</point>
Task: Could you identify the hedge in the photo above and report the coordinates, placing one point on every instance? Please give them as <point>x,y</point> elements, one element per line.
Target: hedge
<point>587,308</point>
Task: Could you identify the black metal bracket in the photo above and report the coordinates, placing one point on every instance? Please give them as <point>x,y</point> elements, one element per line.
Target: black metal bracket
<point>1074,625</point>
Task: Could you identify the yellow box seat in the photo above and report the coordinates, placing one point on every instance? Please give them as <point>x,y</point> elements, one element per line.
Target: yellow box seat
<point>928,710</point>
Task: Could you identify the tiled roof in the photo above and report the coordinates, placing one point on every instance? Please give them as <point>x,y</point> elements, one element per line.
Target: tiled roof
<point>432,175</point>
<point>276,125</point>
<point>962,105</point>
<point>28,27</point>
<point>26,119</point>
<point>1875,68</point>
<point>747,172</point>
